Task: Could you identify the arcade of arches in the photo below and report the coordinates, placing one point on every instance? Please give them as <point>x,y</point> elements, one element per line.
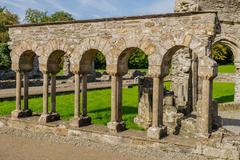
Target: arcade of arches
<point>161,37</point>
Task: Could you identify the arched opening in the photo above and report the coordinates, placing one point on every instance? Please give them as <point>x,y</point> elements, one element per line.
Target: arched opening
<point>133,67</point>
<point>95,106</point>
<point>54,65</point>
<point>223,53</point>
<point>180,71</point>
<point>26,65</point>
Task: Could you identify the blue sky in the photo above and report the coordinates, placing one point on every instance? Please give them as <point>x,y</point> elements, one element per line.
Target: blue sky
<point>88,9</point>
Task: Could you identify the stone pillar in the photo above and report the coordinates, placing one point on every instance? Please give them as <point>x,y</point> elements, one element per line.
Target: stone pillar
<point>53,93</point>
<point>86,118</point>
<point>237,86</point>
<point>80,120</point>
<point>194,83</point>
<point>17,112</point>
<point>116,124</point>
<point>157,130</point>
<point>26,110</point>
<point>45,116</point>
<point>76,121</point>
<point>207,72</point>
<point>84,95</point>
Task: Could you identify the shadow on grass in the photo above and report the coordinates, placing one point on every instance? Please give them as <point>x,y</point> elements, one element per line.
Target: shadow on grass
<point>125,110</point>
<point>225,99</point>
<point>231,122</point>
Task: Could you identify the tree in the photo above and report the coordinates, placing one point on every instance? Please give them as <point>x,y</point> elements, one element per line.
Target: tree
<point>138,60</point>
<point>6,18</point>
<point>222,54</point>
<point>5,60</point>
<point>36,16</point>
<point>100,61</point>
<point>61,16</point>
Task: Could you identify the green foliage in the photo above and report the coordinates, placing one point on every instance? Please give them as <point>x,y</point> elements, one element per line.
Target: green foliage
<point>6,18</point>
<point>61,16</point>
<point>37,16</point>
<point>100,61</point>
<point>138,60</point>
<point>222,54</point>
<point>5,60</point>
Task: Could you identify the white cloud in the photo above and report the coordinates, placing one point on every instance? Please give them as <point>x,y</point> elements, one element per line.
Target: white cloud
<point>161,6</point>
<point>56,4</point>
<point>101,5</point>
<point>14,4</point>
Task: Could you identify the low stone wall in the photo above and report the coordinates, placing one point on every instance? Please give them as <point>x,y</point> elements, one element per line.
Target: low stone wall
<point>228,106</point>
<point>222,145</point>
<point>226,77</point>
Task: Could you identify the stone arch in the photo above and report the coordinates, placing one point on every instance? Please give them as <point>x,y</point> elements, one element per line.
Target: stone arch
<point>20,50</point>
<point>26,60</point>
<point>122,64</point>
<point>54,60</point>
<point>123,49</point>
<point>233,44</point>
<point>54,46</point>
<point>87,60</point>
<point>88,48</point>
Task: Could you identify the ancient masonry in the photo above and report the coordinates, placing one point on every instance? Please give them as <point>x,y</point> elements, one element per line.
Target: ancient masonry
<point>183,40</point>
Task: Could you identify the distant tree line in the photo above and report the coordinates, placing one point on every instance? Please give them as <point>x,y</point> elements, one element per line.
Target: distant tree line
<point>221,53</point>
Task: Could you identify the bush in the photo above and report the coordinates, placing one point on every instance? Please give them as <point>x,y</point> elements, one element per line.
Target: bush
<point>5,60</point>
<point>222,54</point>
<point>100,61</point>
<point>138,60</point>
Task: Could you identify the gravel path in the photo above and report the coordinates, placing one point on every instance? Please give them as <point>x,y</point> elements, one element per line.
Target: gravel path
<point>20,148</point>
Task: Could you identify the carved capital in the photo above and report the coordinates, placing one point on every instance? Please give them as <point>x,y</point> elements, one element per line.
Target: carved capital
<point>207,68</point>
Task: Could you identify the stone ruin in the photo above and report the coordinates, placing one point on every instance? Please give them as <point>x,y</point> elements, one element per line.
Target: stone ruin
<point>178,45</point>
<point>180,105</point>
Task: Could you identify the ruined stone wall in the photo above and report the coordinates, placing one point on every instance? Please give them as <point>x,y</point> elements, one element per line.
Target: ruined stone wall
<point>228,10</point>
<point>229,20</point>
<point>155,35</point>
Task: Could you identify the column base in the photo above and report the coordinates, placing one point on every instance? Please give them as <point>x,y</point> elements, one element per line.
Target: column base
<point>51,117</point>
<point>81,121</point>
<point>157,132</point>
<point>115,127</point>
<point>21,113</point>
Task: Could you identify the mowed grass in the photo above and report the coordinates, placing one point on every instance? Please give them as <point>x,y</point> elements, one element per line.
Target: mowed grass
<point>229,68</point>
<point>99,102</point>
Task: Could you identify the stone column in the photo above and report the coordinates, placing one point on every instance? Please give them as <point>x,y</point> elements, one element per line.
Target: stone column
<point>53,93</point>
<point>207,72</point>
<point>44,116</point>
<point>194,83</point>
<point>237,86</point>
<point>26,110</point>
<point>17,112</point>
<point>86,118</point>
<point>76,121</point>
<point>84,95</point>
<point>116,124</point>
<point>157,130</point>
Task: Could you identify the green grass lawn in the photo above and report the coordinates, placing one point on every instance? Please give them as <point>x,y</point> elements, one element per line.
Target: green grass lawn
<point>229,68</point>
<point>99,103</point>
